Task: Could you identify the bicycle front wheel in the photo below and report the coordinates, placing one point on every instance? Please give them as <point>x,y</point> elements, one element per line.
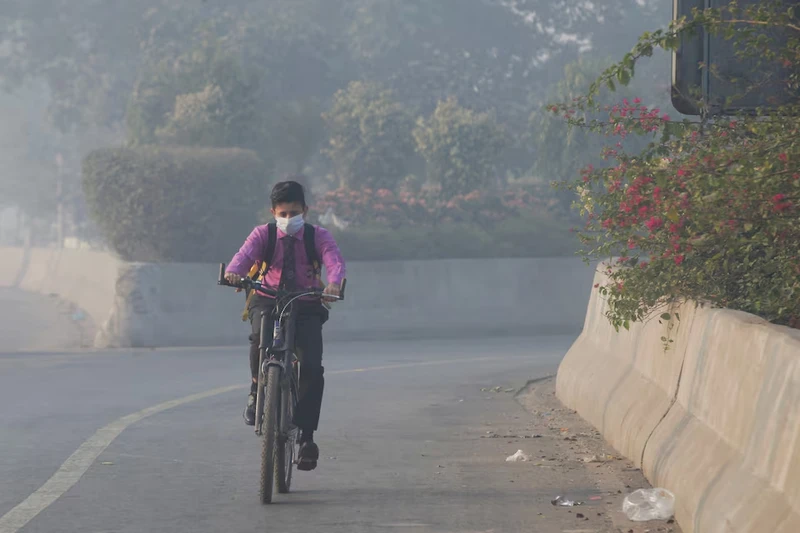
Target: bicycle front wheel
<point>286,446</point>
<point>269,431</point>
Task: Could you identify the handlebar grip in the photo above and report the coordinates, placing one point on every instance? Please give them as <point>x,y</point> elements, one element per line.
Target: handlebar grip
<point>341,292</point>
<point>221,279</point>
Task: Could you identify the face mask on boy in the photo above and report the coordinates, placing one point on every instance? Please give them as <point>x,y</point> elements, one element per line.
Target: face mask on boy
<point>290,226</point>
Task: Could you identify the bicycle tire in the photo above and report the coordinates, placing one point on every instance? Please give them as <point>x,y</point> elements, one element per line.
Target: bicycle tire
<point>286,445</point>
<point>269,432</point>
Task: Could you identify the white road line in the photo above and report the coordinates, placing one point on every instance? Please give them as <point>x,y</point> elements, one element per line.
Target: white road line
<point>79,462</point>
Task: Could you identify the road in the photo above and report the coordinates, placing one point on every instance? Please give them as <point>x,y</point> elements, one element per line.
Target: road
<point>413,437</point>
<point>31,321</point>
<point>395,439</point>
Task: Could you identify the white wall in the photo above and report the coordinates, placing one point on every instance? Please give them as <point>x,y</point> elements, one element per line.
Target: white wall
<point>135,304</point>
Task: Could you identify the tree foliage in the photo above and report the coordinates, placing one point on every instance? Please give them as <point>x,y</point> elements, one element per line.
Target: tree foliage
<point>91,51</point>
<point>709,211</point>
<point>370,137</point>
<point>461,147</point>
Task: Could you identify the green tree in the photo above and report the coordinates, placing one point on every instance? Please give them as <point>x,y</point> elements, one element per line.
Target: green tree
<point>298,134</point>
<point>370,137</point>
<point>461,147</point>
<point>203,98</point>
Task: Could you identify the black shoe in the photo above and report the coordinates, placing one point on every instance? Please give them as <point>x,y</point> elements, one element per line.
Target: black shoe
<point>308,456</point>
<point>250,410</point>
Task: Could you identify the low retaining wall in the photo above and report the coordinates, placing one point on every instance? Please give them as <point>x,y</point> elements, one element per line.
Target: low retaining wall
<point>715,418</point>
<point>85,278</point>
<point>136,304</point>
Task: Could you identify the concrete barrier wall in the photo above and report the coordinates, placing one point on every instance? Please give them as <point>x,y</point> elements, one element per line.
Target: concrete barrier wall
<point>85,278</point>
<point>715,418</point>
<point>137,304</point>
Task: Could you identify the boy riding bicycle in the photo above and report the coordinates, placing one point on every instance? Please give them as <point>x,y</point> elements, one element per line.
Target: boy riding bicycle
<point>291,268</point>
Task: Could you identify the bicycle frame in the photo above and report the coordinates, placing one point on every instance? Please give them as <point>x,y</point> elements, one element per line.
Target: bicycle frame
<point>280,352</point>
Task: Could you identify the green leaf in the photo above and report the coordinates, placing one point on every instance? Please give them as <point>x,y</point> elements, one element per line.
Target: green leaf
<point>666,316</point>
<point>673,215</point>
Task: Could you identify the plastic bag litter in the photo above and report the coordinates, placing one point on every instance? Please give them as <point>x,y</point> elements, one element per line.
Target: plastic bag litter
<point>649,504</point>
<point>519,456</point>
<point>560,501</point>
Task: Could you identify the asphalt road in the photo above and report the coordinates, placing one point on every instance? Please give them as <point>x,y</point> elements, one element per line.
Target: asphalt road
<point>399,441</point>
<point>31,321</point>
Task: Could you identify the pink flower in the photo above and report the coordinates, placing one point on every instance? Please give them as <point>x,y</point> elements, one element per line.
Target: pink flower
<point>679,259</point>
<point>783,157</point>
<point>637,100</point>
<point>654,223</point>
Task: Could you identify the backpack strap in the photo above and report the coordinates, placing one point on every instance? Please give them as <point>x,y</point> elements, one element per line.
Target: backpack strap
<point>260,268</point>
<point>309,234</point>
<point>272,238</point>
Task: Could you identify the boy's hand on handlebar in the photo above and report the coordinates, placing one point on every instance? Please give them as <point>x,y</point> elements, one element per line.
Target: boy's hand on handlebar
<point>233,279</point>
<point>334,290</point>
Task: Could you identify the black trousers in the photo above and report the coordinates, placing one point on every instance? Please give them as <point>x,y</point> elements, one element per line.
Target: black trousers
<point>308,347</point>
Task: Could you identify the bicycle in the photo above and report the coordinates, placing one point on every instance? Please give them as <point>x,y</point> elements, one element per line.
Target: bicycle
<point>277,388</point>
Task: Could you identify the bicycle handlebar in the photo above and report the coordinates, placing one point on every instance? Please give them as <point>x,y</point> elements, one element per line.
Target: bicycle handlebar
<point>250,284</point>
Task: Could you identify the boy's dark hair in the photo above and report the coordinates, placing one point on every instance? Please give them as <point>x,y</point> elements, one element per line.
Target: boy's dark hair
<point>288,192</point>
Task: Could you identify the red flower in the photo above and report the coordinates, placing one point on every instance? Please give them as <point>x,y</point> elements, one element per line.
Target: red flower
<point>607,223</point>
<point>654,223</point>
<point>679,259</point>
<point>783,157</point>
<point>637,100</point>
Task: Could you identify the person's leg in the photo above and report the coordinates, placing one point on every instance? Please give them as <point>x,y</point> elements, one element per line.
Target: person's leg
<point>308,345</point>
<point>257,306</point>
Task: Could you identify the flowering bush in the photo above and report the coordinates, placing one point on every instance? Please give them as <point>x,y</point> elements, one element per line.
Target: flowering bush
<point>708,213</point>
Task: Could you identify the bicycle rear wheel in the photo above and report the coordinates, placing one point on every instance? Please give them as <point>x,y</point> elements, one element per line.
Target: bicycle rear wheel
<point>286,446</point>
<point>269,431</point>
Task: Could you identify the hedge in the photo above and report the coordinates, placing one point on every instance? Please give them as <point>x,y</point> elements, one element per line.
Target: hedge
<point>175,204</point>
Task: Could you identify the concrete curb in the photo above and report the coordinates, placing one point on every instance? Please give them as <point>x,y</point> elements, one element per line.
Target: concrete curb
<point>715,418</point>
